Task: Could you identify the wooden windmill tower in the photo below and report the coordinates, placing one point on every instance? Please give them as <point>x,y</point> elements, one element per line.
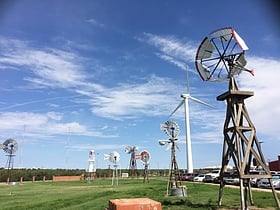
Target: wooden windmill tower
<point>221,56</point>
<point>241,144</point>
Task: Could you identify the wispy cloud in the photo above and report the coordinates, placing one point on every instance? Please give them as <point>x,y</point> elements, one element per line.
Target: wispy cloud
<point>50,68</point>
<point>171,49</point>
<point>26,103</point>
<point>97,147</point>
<point>94,22</point>
<point>53,68</point>
<point>136,100</point>
<point>60,69</point>
<point>263,106</point>
<point>42,125</point>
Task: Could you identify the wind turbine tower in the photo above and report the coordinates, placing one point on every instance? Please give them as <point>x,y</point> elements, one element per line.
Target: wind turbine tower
<point>188,135</point>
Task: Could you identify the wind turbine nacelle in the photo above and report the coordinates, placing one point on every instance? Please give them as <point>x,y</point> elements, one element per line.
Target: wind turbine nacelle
<point>162,142</point>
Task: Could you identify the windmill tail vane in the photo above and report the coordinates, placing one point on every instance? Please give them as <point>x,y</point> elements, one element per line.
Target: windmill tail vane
<point>251,71</point>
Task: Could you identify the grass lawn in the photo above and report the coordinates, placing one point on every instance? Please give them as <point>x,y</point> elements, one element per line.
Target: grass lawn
<point>96,194</point>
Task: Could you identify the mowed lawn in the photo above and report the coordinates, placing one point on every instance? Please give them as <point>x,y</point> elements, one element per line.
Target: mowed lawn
<point>96,194</point>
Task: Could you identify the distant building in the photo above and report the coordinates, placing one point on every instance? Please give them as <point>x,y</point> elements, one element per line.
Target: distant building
<point>274,165</point>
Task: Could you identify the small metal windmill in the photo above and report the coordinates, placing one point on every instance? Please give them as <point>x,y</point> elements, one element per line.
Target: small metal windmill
<point>114,157</point>
<point>132,163</point>
<point>10,146</point>
<point>145,158</point>
<point>174,185</point>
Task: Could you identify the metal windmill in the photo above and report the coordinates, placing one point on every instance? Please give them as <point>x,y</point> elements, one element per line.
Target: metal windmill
<point>145,158</point>
<point>174,185</point>
<point>185,102</point>
<point>114,157</point>
<point>220,57</point>
<point>91,169</point>
<point>2,146</point>
<point>10,146</point>
<point>132,163</point>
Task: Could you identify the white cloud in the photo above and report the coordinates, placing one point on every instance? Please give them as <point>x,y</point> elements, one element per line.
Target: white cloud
<point>172,47</point>
<point>263,107</point>
<point>41,125</point>
<point>16,120</point>
<point>96,147</point>
<point>95,23</point>
<point>54,115</point>
<point>56,68</point>
<point>59,69</point>
<point>52,68</point>
<point>151,98</point>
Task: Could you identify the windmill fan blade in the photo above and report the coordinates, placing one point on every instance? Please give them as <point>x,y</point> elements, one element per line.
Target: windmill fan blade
<point>216,56</point>
<point>128,149</point>
<point>168,147</point>
<point>2,146</point>
<point>145,156</point>
<point>178,148</point>
<point>11,146</point>
<point>201,102</point>
<point>181,103</point>
<point>106,156</point>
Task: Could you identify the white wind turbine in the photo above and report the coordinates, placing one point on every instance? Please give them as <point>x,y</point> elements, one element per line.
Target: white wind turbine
<point>185,101</point>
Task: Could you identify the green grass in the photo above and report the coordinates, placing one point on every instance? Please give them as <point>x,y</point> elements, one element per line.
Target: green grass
<point>96,194</point>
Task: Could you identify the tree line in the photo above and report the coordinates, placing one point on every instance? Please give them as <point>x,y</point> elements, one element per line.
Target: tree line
<point>38,174</point>
<point>16,175</point>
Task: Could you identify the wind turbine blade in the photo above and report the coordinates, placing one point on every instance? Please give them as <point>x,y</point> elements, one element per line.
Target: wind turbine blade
<point>201,102</point>
<point>180,104</point>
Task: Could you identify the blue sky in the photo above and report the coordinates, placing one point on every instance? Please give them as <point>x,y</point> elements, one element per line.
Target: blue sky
<point>102,75</point>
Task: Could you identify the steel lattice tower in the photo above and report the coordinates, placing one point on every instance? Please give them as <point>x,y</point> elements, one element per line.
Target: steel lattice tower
<point>146,173</point>
<point>132,164</point>
<point>174,174</point>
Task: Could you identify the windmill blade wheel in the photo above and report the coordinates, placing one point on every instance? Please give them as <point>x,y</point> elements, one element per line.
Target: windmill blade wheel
<point>10,146</point>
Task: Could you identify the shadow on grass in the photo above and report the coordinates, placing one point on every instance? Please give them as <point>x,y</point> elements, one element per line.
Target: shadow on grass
<point>183,202</point>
